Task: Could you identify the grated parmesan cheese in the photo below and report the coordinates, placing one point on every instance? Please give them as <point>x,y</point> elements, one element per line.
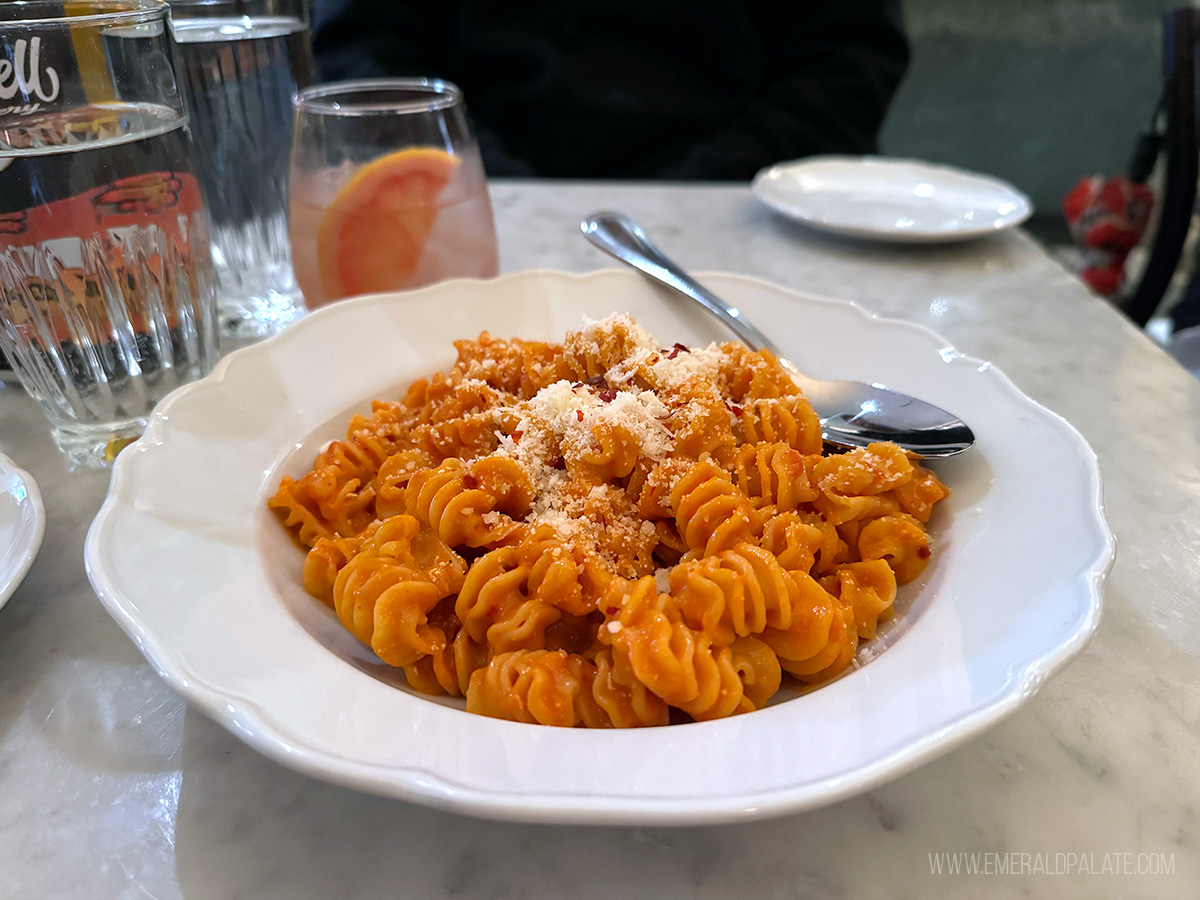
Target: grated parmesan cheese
<point>662,580</point>
<point>701,362</point>
<point>593,329</point>
<point>562,421</point>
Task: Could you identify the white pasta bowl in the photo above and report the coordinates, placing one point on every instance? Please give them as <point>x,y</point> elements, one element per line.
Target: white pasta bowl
<point>187,558</point>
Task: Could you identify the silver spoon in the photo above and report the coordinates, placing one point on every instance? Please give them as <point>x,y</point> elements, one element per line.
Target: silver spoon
<point>852,414</point>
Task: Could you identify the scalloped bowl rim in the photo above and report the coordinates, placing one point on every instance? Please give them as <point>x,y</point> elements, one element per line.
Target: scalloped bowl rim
<point>32,538</point>
<point>418,784</point>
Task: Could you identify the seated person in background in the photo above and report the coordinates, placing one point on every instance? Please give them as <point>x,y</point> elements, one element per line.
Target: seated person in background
<point>670,89</point>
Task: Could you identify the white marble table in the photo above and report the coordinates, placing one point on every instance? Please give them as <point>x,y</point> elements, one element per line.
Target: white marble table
<point>111,788</point>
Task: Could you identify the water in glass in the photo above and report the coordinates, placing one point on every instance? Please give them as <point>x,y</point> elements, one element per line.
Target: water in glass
<point>106,296</point>
<point>239,73</point>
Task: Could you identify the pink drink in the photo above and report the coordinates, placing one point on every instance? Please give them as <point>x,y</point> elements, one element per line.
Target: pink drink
<point>461,243</point>
<point>388,190</point>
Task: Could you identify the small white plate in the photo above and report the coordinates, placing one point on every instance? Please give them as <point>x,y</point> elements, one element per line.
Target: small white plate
<point>186,556</point>
<point>22,525</point>
<point>895,200</point>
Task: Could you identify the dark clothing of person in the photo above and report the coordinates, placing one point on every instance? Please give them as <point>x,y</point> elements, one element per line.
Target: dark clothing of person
<point>672,89</point>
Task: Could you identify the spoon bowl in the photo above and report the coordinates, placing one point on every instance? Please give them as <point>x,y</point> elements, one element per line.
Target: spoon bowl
<point>852,414</point>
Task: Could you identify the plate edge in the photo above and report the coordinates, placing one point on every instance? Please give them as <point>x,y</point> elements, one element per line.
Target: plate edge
<point>575,810</point>
<point>33,493</point>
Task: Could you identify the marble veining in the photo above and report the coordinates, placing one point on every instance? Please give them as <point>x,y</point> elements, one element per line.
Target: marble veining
<point>110,787</point>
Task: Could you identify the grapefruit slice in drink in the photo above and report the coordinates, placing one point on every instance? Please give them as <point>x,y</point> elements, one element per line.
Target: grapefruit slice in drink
<point>372,235</point>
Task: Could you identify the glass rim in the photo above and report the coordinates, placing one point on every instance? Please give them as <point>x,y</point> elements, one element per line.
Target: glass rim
<point>100,12</point>
<point>300,6</point>
<point>322,98</point>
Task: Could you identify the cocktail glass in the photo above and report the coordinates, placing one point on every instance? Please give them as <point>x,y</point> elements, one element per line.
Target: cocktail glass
<point>388,190</point>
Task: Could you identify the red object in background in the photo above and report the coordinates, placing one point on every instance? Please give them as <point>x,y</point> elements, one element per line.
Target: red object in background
<point>1107,218</point>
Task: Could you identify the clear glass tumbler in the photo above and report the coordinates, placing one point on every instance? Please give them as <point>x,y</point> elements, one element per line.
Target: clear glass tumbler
<point>240,63</point>
<point>388,190</point>
<point>106,294</point>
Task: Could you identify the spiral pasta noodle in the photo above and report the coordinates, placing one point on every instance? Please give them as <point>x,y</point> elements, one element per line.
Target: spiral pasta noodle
<point>456,500</point>
<point>605,532</point>
<point>682,665</point>
<point>385,592</point>
<point>737,593</point>
<point>775,475</point>
<point>710,512</point>
<point>789,420</point>
<point>545,687</point>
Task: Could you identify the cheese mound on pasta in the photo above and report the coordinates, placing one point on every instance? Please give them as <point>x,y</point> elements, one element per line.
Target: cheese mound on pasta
<point>606,532</point>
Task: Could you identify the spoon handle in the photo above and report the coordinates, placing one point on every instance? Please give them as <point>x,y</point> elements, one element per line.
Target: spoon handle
<point>852,414</point>
<point>621,237</point>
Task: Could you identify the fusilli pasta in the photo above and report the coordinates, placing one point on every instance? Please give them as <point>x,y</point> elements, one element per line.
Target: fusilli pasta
<point>607,533</point>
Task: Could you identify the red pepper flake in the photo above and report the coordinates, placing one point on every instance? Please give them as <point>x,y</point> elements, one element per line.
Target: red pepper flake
<point>677,349</point>
<point>736,410</point>
<point>612,610</point>
<point>559,463</point>
<point>579,414</point>
<point>517,436</point>
<point>923,552</point>
<point>577,385</point>
<point>597,381</point>
<point>608,396</point>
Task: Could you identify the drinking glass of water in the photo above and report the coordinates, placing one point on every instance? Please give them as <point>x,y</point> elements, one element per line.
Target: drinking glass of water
<point>240,63</point>
<point>106,294</point>
<point>388,190</point>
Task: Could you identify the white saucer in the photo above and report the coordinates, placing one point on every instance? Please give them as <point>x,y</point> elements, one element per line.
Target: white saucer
<point>22,525</point>
<point>896,200</point>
